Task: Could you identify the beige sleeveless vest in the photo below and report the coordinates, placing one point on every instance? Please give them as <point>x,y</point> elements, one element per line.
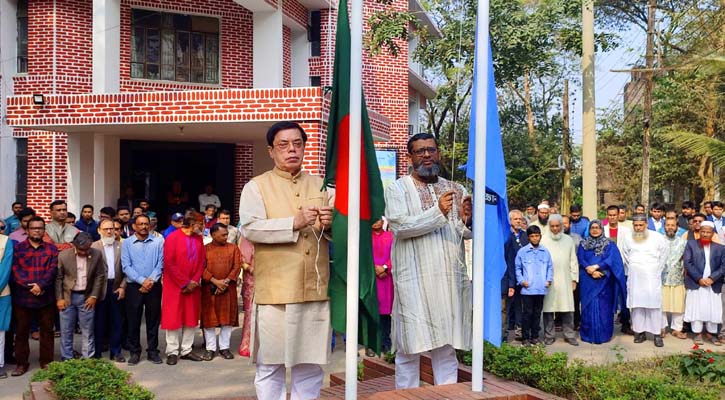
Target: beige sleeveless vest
<point>288,273</point>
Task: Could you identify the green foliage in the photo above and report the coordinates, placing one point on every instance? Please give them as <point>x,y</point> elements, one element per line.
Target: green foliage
<point>388,29</point>
<point>389,357</point>
<point>91,379</point>
<point>704,365</point>
<point>659,378</point>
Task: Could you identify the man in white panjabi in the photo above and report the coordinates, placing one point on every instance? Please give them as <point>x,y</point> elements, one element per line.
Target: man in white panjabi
<point>542,219</point>
<point>559,298</point>
<point>644,253</point>
<point>284,213</point>
<point>705,265</point>
<point>432,302</point>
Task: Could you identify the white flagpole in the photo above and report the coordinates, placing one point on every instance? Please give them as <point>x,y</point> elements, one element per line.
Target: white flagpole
<point>353,221</point>
<point>479,191</point>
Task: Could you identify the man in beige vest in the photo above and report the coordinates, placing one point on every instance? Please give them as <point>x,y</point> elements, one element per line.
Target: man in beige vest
<point>285,214</point>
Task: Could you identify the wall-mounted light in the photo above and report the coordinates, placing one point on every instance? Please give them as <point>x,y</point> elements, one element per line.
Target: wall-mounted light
<point>38,99</point>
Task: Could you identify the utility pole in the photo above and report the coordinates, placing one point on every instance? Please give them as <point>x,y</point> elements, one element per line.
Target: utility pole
<point>647,117</point>
<point>589,138</point>
<point>566,192</point>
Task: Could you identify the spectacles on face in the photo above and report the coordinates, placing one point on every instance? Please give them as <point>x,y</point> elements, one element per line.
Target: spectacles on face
<point>419,152</point>
<point>284,144</point>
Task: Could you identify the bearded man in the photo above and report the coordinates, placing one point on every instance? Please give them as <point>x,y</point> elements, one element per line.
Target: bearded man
<point>673,279</point>
<point>705,264</point>
<point>644,254</point>
<point>559,298</point>
<point>431,308</point>
<point>542,218</point>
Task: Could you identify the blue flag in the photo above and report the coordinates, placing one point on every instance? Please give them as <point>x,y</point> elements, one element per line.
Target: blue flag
<point>497,227</point>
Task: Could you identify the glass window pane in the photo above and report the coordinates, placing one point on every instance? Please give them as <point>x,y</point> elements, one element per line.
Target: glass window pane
<point>197,51</point>
<point>167,20</point>
<point>138,37</point>
<point>204,24</point>
<point>212,59</point>
<point>153,43</point>
<point>182,49</point>
<point>146,18</point>
<point>152,71</point>
<point>137,70</point>
<point>167,72</point>
<point>167,47</point>
<point>182,22</point>
<point>197,75</point>
<point>182,74</point>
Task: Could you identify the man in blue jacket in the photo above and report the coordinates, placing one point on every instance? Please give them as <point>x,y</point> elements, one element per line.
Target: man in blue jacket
<point>510,292</point>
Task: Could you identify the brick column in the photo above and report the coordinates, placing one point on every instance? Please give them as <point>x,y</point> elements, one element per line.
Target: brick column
<point>43,165</point>
<point>243,163</point>
<point>314,162</point>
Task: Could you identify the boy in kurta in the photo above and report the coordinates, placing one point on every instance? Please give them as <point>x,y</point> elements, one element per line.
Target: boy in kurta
<point>534,273</point>
<point>283,212</point>
<point>184,258</point>
<point>219,292</point>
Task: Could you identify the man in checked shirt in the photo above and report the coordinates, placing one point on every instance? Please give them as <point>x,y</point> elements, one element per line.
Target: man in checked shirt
<point>35,265</point>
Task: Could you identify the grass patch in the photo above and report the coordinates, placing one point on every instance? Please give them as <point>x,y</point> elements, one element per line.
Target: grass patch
<point>91,379</point>
<point>655,378</point>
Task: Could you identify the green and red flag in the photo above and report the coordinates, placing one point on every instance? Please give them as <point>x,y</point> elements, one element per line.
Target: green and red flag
<point>372,203</point>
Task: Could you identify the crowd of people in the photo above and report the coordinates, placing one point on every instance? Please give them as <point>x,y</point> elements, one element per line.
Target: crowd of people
<point>98,278</point>
<point>662,272</point>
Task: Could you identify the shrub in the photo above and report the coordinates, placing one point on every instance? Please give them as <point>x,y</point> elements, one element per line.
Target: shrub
<point>91,379</point>
<point>704,365</point>
<point>657,378</point>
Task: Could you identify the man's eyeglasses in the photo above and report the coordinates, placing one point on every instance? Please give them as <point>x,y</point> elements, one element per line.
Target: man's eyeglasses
<point>284,145</point>
<point>431,150</point>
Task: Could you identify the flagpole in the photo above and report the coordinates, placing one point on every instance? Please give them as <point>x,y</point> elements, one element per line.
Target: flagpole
<point>353,226</point>
<point>479,191</point>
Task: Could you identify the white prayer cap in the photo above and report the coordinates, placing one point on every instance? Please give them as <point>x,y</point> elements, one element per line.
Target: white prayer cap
<point>707,223</point>
<point>542,206</point>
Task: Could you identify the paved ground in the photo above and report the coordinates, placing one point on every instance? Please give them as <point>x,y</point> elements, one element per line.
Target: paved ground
<point>228,378</point>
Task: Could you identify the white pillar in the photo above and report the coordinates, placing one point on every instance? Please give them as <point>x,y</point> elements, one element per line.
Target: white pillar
<point>8,67</point>
<point>80,171</point>
<point>107,170</point>
<point>106,46</point>
<point>268,47</point>
<point>300,49</point>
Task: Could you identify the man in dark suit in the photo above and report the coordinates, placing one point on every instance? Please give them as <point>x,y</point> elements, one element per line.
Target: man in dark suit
<point>78,286</point>
<point>510,293</point>
<point>111,305</point>
<point>705,265</point>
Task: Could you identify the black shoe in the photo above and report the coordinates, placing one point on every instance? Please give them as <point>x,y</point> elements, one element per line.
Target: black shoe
<point>226,354</point>
<point>572,342</point>
<point>119,358</point>
<point>3,374</point>
<point>154,358</point>
<point>191,357</point>
<point>134,359</point>
<point>172,359</point>
<point>525,342</point>
<point>535,341</point>
<point>658,341</point>
<point>549,341</point>
<point>208,355</point>
<point>640,337</point>
<point>627,330</point>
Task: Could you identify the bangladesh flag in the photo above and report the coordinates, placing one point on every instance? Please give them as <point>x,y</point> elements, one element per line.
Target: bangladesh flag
<point>372,204</point>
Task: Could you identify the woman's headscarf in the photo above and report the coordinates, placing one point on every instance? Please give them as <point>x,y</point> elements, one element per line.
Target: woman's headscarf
<point>598,244</point>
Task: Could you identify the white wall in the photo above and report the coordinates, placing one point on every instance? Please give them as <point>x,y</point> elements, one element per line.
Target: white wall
<point>80,171</point>
<point>106,46</point>
<point>106,170</point>
<point>268,46</point>
<point>300,49</point>
<point>8,66</point>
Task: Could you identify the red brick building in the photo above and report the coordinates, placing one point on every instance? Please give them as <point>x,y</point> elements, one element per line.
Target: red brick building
<point>100,95</point>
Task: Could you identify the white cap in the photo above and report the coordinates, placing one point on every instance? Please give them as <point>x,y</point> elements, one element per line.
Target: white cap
<point>707,223</point>
<point>542,206</point>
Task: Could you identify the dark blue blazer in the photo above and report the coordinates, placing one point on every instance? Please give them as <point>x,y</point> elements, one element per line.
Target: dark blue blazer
<point>695,265</point>
<point>510,249</point>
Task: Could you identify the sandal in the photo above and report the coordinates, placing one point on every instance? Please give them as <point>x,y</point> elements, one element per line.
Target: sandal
<point>679,334</point>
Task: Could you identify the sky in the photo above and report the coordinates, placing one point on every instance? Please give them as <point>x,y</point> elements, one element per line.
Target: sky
<point>609,86</point>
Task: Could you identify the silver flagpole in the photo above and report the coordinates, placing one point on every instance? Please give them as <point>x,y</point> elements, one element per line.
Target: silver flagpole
<point>479,191</point>
<point>353,221</point>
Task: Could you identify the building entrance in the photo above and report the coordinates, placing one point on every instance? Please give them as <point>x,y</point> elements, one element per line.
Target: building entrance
<point>151,169</point>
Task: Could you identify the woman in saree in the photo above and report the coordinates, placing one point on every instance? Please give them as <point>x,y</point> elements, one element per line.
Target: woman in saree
<point>601,282</point>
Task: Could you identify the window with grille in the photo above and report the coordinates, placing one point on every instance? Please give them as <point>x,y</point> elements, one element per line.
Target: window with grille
<point>22,40</point>
<point>174,47</point>
<point>21,159</point>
